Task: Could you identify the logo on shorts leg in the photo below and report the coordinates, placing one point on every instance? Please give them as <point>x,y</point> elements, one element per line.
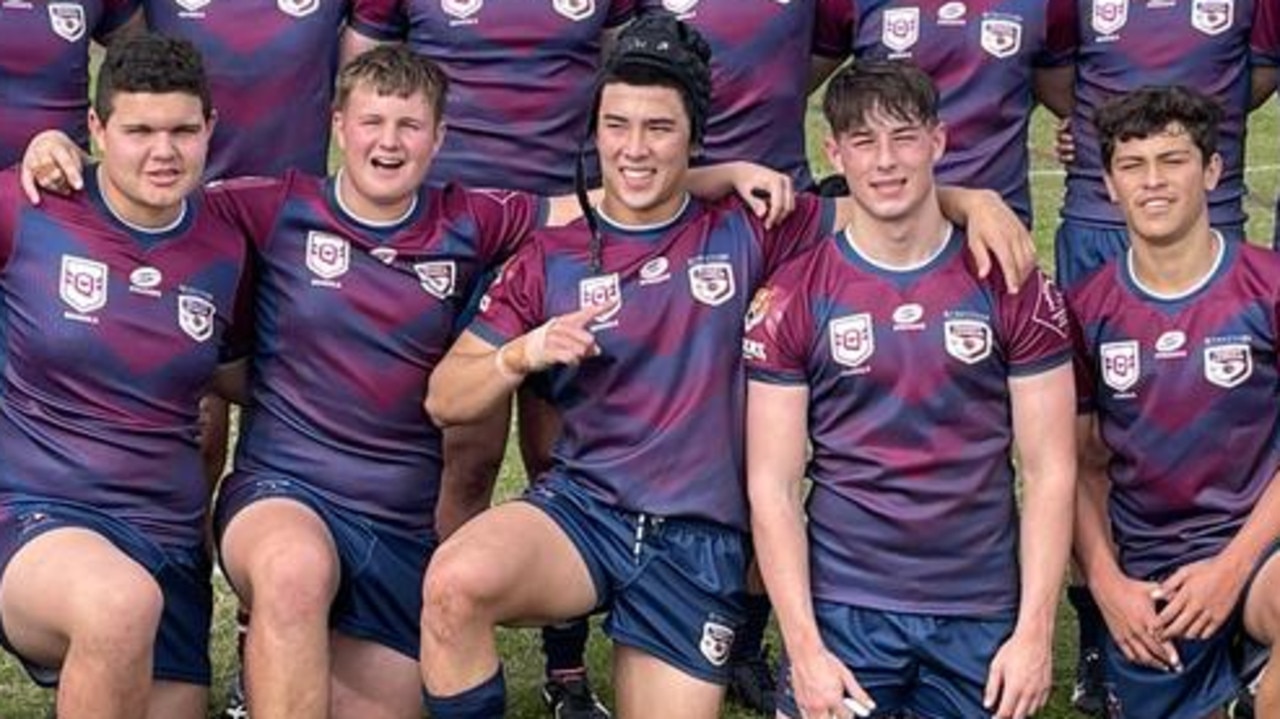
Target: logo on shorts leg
<point>1228,365</point>
<point>717,640</point>
<point>67,20</point>
<point>195,316</point>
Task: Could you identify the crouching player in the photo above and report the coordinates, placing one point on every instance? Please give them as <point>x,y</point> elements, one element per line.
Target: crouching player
<point>117,306</point>
<point>1177,511</point>
<point>914,588</point>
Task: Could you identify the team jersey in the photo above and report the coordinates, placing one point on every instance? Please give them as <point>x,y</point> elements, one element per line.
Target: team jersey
<point>521,78</point>
<point>1123,45</point>
<point>655,423</point>
<point>110,337</point>
<point>271,65</point>
<point>1185,389</point>
<point>981,55</point>
<point>44,67</point>
<point>351,319</point>
<point>908,370</point>
<point>761,52</point>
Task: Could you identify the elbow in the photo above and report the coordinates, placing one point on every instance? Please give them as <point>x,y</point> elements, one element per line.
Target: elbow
<point>440,410</point>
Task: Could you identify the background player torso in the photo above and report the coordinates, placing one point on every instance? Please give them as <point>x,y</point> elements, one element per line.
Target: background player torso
<point>351,319</point>
<point>1186,390</point>
<point>110,338</point>
<point>908,371</point>
<point>44,67</point>
<point>1125,44</point>
<point>521,76</point>
<point>981,55</point>
<point>271,65</point>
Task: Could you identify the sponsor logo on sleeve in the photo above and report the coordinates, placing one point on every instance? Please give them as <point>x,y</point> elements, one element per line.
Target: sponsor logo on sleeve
<point>901,29</point>
<point>195,316</point>
<point>1051,309</point>
<point>852,339</point>
<point>759,308</point>
<point>328,258</point>
<point>1121,364</point>
<point>967,340</point>
<point>82,285</point>
<point>1228,365</point>
<point>1212,17</point>
<point>437,278</point>
<point>711,282</point>
<point>67,20</point>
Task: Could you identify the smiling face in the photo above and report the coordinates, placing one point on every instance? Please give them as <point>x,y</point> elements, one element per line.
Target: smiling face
<point>888,163</point>
<point>387,144</point>
<point>1161,183</point>
<point>643,137</point>
<point>153,152</point>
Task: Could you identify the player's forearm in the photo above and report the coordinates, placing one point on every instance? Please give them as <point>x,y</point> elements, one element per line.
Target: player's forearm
<point>1045,544</point>
<point>782,550</point>
<point>1094,551</point>
<point>469,384</point>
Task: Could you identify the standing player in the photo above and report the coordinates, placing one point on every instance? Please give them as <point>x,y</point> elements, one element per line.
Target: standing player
<point>991,61</point>
<point>44,67</point>
<point>104,568</point>
<point>1178,355</point>
<point>913,379</point>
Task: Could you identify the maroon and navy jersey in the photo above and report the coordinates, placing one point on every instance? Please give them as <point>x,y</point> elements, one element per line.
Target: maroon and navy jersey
<point>981,55</point>
<point>1187,394</point>
<point>908,372</point>
<point>1122,45</point>
<point>521,77</point>
<point>761,53</point>
<point>655,423</point>
<point>351,319</point>
<point>110,337</point>
<point>271,65</point>
<point>44,67</point>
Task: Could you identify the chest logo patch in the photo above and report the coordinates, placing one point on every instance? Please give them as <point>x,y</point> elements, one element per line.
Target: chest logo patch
<point>852,338</point>
<point>192,5</point>
<point>1121,364</point>
<point>82,283</point>
<point>437,278</point>
<point>298,8</point>
<point>601,290</point>
<point>711,283</point>
<point>901,28</point>
<point>1228,365</point>
<point>195,316</point>
<point>1001,37</point>
<point>1109,16</point>
<point>328,256</point>
<point>679,6</point>
<point>461,9</point>
<point>968,340</point>
<point>1212,17</point>
<point>67,20</point>
<point>575,9</point>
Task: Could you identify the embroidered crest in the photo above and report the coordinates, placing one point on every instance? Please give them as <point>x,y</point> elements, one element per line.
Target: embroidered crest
<point>679,6</point>
<point>901,28</point>
<point>1228,365</point>
<point>968,340</point>
<point>1121,364</point>
<point>298,8</point>
<point>83,283</point>
<point>67,20</point>
<point>195,316</point>
<point>601,290</point>
<point>1001,37</point>
<point>1109,16</point>
<point>461,9</point>
<point>192,5</point>
<point>1212,17</point>
<point>437,278</point>
<point>852,339</point>
<point>711,283</point>
<point>575,9</point>
<point>759,308</point>
<point>328,256</point>
<point>717,640</point>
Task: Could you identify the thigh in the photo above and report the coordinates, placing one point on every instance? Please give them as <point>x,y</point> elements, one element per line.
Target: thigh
<point>380,598</point>
<point>955,660</point>
<point>372,681</point>
<point>645,686</point>
<point>1208,679</point>
<point>1262,601</point>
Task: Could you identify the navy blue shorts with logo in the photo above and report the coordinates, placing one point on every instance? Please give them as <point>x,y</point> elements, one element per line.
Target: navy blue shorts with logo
<point>674,588</point>
<point>182,639</point>
<point>381,567</point>
<point>927,665</point>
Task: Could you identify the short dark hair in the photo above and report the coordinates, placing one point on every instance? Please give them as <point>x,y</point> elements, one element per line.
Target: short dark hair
<point>1150,111</point>
<point>151,63</point>
<point>394,70</point>
<point>897,89</point>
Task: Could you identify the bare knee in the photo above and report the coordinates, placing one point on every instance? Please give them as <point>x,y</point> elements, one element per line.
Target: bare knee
<point>292,586</point>
<point>455,596</point>
<point>120,618</point>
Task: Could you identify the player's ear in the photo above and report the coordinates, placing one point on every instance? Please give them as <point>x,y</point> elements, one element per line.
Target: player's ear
<point>1111,188</point>
<point>1212,172</point>
<point>212,122</point>
<point>831,146</point>
<point>442,129</point>
<point>938,136</point>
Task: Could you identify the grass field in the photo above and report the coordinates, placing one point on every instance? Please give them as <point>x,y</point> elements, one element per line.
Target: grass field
<point>19,699</point>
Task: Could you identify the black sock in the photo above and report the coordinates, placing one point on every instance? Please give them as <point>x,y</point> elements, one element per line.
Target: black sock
<point>748,642</point>
<point>565,646</point>
<point>1088,617</point>
<point>483,701</point>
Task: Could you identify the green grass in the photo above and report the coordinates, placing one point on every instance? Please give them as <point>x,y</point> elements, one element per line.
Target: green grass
<point>19,699</point>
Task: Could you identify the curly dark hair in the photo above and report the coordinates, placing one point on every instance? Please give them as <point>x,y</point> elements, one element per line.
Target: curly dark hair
<point>151,63</point>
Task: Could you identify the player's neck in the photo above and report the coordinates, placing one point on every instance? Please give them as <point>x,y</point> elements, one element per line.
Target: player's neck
<point>901,243</point>
<point>366,212</point>
<point>1179,267</point>
<point>136,215</point>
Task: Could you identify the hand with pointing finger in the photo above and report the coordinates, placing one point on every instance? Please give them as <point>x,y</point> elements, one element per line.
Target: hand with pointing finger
<point>564,340</point>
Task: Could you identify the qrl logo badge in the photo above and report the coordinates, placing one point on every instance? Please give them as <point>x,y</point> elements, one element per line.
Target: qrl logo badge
<point>1121,364</point>
<point>1212,17</point>
<point>901,28</point>
<point>83,284</point>
<point>1001,38</point>
<point>298,8</point>
<point>67,20</point>
<point>437,278</point>
<point>195,316</point>
<point>717,640</point>
<point>852,339</point>
<point>711,283</point>
<point>461,9</point>
<point>1228,365</point>
<point>575,9</point>
<point>968,340</point>
<point>1109,16</point>
<point>598,291</point>
<point>328,256</point>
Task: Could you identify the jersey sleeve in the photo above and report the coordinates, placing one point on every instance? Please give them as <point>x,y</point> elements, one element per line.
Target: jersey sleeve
<point>115,13</point>
<point>252,204</point>
<point>379,19</point>
<point>779,329</point>
<point>504,219</point>
<point>1264,40</point>
<point>514,303</point>
<point>813,219</point>
<point>1061,35</point>
<point>833,28</point>
<point>1035,326</point>
<point>621,12</point>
